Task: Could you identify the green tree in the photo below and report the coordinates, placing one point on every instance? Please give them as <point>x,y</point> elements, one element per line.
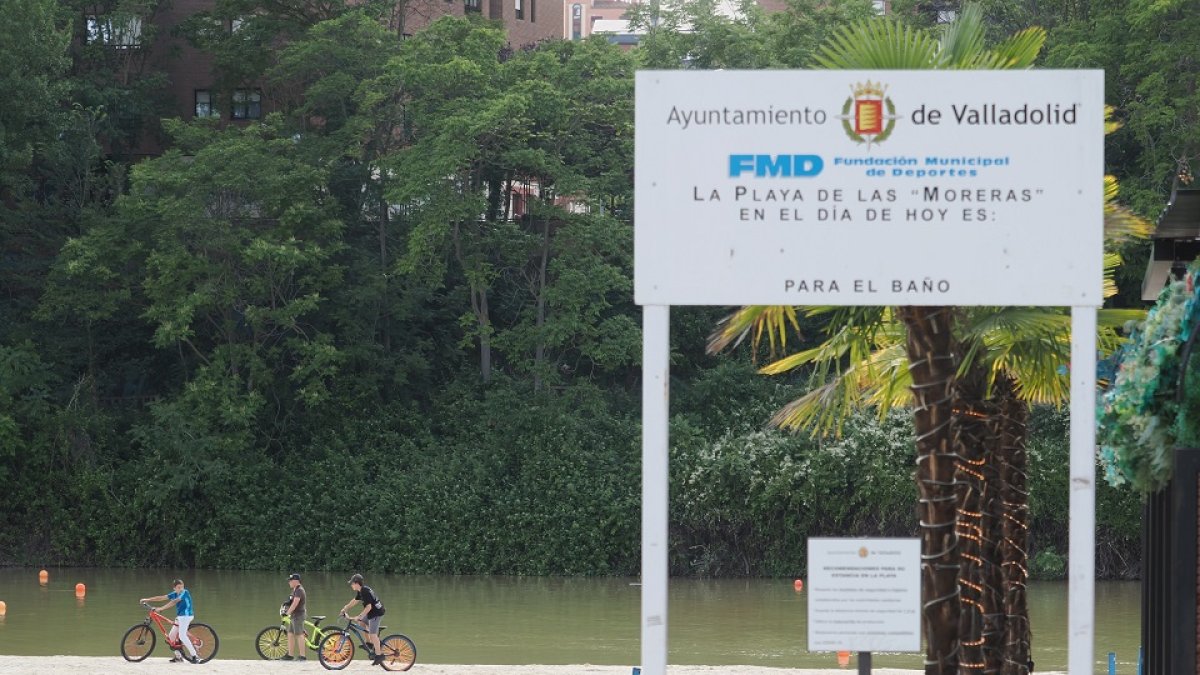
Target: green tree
<point>33,65</point>
<point>711,34</point>
<point>514,185</point>
<point>33,51</point>
<point>1147,51</point>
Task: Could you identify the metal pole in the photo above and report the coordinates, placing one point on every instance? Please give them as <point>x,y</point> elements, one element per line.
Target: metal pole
<point>656,330</point>
<point>1082,588</point>
<point>864,663</point>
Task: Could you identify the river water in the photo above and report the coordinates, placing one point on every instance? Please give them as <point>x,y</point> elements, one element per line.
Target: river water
<point>503,620</point>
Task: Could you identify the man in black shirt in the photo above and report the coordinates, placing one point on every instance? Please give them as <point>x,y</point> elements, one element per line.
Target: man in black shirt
<point>371,614</point>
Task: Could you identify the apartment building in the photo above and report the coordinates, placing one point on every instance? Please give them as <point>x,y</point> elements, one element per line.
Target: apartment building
<point>190,71</point>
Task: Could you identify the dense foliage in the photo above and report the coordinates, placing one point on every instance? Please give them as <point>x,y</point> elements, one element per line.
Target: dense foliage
<point>327,341</point>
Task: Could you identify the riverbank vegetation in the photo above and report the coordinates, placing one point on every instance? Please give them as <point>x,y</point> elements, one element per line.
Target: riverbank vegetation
<point>328,340</point>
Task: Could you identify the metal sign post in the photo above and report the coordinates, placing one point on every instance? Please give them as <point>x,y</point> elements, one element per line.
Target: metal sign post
<point>656,328</point>
<point>1081,598</point>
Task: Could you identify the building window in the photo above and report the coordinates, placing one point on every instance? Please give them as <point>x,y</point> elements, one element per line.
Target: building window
<point>880,7</point>
<point>472,6</point>
<point>247,104</point>
<point>532,10</point>
<point>204,104</point>
<point>119,32</point>
<point>944,11</point>
<point>520,9</point>
<point>576,21</point>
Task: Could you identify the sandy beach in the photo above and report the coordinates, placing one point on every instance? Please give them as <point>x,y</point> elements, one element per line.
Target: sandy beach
<point>58,665</point>
<point>110,665</point>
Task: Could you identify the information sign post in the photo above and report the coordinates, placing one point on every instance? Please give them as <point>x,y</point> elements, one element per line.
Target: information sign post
<point>868,188</point>
<point>864,596</point>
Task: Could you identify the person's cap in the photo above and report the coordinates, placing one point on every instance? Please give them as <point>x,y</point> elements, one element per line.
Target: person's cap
<point>356,579</point>
<point>293,577</point>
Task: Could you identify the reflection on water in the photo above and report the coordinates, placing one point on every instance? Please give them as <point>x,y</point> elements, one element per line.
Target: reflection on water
<point>503,620</point>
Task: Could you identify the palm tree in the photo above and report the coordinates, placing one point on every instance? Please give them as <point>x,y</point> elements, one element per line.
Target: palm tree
<point>951,450</point>
<point>969,375</point>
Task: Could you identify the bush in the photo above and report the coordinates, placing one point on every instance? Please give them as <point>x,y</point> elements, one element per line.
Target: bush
<point>744,504</point>
<point>1048,565</point>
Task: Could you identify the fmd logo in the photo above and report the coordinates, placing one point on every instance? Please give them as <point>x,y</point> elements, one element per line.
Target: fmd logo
<point>784,166</point>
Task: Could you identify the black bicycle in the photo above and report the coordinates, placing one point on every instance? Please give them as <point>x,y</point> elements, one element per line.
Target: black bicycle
<point>337,651</point>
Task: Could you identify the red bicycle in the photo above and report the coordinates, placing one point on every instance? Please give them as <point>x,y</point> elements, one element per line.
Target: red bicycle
<point>139,640</point>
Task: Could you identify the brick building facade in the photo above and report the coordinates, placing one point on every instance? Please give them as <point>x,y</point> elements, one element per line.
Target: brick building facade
<point>190,71</point>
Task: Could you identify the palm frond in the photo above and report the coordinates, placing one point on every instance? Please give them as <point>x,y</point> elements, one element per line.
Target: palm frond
<point>1109,338</point>
<point>822,410</point>
<point>881,380</point>
<point>756,321</point>
<point>1020,50</point>
<point>1110,125</point>
<point>1039,320</point>
<point>878,44</point>
<point>962,39</point>
<point>826,357</point>
<point>891,380</point>
<point>1112,261</point>
<point>1040,366</point>
<point>1016,341</point>
<point>1119,222</point>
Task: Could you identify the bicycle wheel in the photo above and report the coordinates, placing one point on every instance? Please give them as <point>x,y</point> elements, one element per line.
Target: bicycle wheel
<point>399,652</point>
<point>204,639</point>
<point>138,643</point>
<point>336,651</point>
<point>271,643</point>
<point>320,634</point>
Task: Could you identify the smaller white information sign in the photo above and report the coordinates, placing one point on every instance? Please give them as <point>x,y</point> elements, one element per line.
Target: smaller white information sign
<point>864,595</point>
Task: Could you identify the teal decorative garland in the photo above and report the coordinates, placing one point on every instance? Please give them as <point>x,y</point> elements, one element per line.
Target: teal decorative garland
<point>1140,417</point>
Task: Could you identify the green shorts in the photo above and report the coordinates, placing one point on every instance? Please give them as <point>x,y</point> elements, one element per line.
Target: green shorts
<point>297,625</point>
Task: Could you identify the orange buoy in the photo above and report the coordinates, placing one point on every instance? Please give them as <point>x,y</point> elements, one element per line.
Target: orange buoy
<point>843,659</point>
<point>3,608</point>
<point>80,590</point>
<point>798,585</point>
<point>43,577</point>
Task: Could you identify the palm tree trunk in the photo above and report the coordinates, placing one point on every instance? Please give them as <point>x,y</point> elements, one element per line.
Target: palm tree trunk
<point>979,626</point>
<point>931,353</point>
<point>1013,531</point>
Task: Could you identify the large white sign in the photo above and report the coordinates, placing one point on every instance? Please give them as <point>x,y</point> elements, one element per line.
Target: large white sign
<point>869,188</point>
<point>864,595</point>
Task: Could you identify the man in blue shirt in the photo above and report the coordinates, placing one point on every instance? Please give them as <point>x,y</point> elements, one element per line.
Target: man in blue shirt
<point>181,598</point>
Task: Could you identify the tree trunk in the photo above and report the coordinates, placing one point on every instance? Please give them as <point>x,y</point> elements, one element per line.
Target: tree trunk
<point>479,302</point>
<point>539,355</point>
<point>479,307</point>
<point>979,629</point>
<point>931,352</point>
<point>1013,535</point>
<point>384,301</point>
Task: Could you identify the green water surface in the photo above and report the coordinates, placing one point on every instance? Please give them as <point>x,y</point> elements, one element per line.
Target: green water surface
<point>502,620</point>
